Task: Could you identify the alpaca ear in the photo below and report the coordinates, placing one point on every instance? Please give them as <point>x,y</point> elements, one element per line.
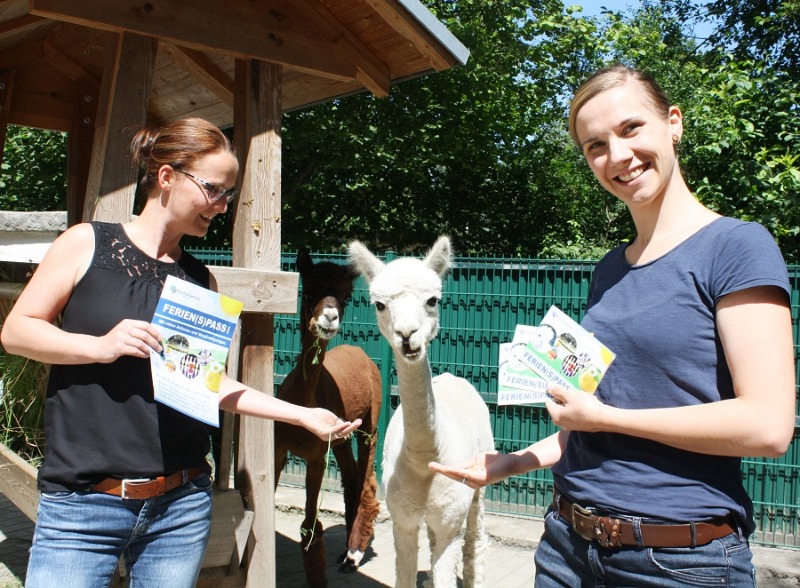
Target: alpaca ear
<point>439,257</point>
<point>304,262</point>
<point>363,261</point>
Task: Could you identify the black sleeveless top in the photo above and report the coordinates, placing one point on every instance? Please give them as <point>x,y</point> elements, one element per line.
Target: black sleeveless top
<point>100,419</point>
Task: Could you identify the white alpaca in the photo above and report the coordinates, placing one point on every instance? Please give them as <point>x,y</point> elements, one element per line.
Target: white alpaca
<point>439,419</point>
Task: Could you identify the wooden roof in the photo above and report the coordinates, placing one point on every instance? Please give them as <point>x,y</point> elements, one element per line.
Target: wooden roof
<point>327,49</point>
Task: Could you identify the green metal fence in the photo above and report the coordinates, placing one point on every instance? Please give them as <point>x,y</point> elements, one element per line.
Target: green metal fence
<point>484,299</point>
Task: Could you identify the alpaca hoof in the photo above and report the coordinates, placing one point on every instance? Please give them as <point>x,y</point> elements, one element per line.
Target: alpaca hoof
<point>348,567</point>
<point>349,561</point>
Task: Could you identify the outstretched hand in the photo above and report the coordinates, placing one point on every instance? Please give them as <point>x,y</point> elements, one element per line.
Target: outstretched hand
<point>484,469</point>
<point>326,425</point>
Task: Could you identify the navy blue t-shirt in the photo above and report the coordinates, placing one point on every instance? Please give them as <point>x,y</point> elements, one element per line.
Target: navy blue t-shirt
<point>659,319</point>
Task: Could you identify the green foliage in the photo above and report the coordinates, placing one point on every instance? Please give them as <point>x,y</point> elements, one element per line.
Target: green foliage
<point>742,151</point>
<point>33,175</point>
<point>481,152</point>
<point>22,387</point>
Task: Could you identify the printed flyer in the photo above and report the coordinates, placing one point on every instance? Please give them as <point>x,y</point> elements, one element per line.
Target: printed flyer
<point>196,327</point>
<point>559,350</point>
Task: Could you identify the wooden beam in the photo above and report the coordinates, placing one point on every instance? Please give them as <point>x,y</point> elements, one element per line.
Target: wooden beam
<point>372,73</point>
<point>18,482</point>
<point>80,139</point>
<point>267,291</point>
<point>63,63</point>
<point>401,21</point>
<point>22,55</point>
<point>23,24</point>
<point>256,243</point>
<point>244,30</point>
<point>203,70</point>
<point>123,105</point>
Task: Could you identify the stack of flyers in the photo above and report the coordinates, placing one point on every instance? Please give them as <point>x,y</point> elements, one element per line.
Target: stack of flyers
<point>559,350</point>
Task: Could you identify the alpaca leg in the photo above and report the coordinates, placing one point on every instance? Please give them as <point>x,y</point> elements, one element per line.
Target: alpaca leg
<point>363,526</point>
<point>406,546</point>
<point>475,543</point>
<point>311,542</point>
<point>445,552</point>
<point>348,475</point>
<point>368,506</point>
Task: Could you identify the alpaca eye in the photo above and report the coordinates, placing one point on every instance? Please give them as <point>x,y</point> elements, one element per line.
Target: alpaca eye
<point>432,301</point>
<point>380,306</point>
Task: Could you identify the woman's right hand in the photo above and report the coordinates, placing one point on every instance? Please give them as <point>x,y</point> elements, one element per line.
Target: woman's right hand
<point>129,337</point>
<point>484,469</point>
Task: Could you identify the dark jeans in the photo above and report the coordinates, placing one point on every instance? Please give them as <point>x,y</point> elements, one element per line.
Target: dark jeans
<point>565,559</point>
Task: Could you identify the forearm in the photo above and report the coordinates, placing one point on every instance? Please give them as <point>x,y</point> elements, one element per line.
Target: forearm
<point>733,427</point>
<point>239,398</point>
<point>42,341</point>
<point>542,454</point>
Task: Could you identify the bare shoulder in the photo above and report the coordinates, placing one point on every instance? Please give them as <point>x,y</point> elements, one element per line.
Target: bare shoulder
<point>72,250</point>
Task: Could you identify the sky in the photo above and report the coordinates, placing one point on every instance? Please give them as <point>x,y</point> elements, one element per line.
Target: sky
<point>594,7</point>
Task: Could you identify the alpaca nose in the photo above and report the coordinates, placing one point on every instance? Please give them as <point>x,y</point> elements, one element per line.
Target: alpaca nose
<point>331,315</point>
<point>405,336</point>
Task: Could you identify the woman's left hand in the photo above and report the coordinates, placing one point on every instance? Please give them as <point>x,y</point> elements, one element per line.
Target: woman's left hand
<point>575,411</point>
<point>327,426</point>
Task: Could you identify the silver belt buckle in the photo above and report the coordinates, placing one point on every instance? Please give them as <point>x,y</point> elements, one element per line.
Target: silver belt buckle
<point>582,515</point>
<point>133,481</point>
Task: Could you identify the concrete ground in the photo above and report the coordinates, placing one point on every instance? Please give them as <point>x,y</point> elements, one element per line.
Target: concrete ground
<point>509,563</point>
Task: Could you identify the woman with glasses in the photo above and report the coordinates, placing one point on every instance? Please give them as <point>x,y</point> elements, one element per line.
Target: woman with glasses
<point>124,476</point>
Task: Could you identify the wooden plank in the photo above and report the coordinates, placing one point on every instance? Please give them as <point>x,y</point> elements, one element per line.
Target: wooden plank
<point>18,482</point>
<point>274,292</point>
<point>112,180</point>
<point>245,30</point>
<point>228,519</point>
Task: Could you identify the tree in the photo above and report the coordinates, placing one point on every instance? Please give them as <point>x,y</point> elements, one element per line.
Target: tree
<point>33,175</point>
<point>481,152</point>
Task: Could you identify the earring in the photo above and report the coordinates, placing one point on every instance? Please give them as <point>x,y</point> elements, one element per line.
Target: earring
<point>676,139</point>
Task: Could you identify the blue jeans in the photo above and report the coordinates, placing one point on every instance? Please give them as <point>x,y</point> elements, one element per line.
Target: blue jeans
<point>565,559</point>
<point>80,537</point>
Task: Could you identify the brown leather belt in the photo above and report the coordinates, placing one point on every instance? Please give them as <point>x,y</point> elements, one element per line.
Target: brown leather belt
<point>611,532</point>
<point>144,488</point>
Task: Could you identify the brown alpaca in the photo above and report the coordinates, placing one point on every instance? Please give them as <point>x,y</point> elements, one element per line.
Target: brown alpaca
<point>347,382</point>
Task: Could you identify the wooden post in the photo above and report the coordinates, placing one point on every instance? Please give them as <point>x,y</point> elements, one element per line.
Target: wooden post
<point>79,147</point>
<point>256,244</point>
<point>124,95</point>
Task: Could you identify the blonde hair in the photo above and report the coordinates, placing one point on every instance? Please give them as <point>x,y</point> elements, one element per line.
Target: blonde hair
<point>614,76</point>
<point>178,144</point>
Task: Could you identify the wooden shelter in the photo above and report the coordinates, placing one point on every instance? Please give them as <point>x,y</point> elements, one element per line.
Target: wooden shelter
<point>97,68</point>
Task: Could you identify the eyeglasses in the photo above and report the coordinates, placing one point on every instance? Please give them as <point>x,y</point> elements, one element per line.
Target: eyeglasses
<point>213,192</point>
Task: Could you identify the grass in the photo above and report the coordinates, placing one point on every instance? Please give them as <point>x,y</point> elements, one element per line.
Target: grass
<point>22,387</point>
